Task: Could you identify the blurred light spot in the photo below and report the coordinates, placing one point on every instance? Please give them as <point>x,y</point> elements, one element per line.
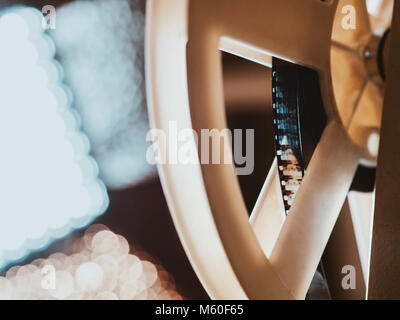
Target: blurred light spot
<point>64,285</point>
<point>373,144</point>
<point>49,183</point>
<point>84,274</point>
<point>104,242</point>
<point>374,6</point>
<point>89,276</point>
<point>150,273</point>
<point>6,289</point>
<point>110,268</point>
<point>101,47</point>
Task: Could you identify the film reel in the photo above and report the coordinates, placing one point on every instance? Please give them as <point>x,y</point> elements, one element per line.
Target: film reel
<point>273,256</point>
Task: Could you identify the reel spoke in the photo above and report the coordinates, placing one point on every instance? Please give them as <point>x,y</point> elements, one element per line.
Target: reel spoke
<point>380,14</point>
<point>356,103</point>
<point>343,47</point>
<point>318,202</point>
<point>363,25</point>
<point>268,214</point>
<point>361,209</point>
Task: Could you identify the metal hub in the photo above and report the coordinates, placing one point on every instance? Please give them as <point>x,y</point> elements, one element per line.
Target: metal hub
<point>359,60</point>
<point>375,56</point>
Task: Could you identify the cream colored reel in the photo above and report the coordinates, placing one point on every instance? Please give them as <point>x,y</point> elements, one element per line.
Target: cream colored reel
<point>272,256</point>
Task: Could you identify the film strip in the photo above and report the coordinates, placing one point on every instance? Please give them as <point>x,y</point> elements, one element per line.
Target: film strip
<point>299,120</point>
<point>286,135</point>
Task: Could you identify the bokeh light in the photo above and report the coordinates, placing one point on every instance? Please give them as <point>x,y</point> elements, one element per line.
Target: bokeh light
<point>49,183</point>
<point>117,274</point>
<point>100,44</point>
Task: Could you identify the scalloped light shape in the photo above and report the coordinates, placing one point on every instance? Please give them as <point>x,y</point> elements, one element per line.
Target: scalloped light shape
<point>49,184</point>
